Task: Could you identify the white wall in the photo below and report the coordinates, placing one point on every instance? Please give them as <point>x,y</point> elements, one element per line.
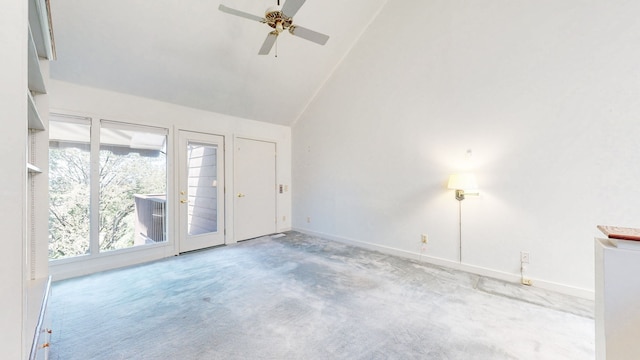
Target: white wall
<point>13,145</point>
<point>73,99</point>
<point>545,93</point>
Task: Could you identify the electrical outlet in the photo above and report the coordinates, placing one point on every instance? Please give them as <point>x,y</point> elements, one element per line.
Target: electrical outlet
<point>308,219</point>
<point>284,218</point>
<point>424,238</point>
<point>524,257</point>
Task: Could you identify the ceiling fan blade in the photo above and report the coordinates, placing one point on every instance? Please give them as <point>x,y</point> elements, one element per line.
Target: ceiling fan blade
<point>243,14</point>
<point>291,7</point>
<point>268,43</point>
<point>307,34</point>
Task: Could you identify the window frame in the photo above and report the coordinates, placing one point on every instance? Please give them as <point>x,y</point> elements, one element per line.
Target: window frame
<point>97,260</point>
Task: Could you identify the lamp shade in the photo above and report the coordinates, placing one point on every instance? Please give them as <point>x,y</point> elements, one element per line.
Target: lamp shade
<point>463,181</point>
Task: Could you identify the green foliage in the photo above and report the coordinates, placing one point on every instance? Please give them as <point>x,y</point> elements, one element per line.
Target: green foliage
<point>68,202</point>
<point>121,175</point>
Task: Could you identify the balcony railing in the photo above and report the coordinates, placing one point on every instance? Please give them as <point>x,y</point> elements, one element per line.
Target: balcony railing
<point>150,215</point>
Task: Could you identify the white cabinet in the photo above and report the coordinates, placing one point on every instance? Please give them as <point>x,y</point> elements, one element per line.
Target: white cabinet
<point>617,307</point>
<point>39,292</point>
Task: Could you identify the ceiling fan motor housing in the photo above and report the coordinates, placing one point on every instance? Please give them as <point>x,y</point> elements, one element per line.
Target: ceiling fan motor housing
<point>276,19</point>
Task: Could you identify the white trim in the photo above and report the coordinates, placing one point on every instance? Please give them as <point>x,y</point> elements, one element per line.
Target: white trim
<point>72,119</point>
<point>478,270</point>
<point>84,265</point>
<point>255,138</point>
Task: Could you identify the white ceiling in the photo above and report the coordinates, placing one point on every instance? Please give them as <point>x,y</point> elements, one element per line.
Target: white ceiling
<point>190,53</point>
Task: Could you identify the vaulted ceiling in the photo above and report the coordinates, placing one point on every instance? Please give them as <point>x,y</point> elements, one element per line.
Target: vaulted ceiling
<point>190,53</point>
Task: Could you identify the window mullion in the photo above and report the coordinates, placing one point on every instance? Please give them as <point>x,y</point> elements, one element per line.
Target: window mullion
<point>95,188</point>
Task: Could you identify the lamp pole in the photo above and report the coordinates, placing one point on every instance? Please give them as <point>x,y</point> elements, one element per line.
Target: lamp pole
<point>460,230</point>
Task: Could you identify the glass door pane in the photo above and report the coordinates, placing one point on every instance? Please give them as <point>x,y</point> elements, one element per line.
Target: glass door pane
<point>202,191</point>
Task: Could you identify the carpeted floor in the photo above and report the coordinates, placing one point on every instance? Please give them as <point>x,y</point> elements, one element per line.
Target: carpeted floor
<point>301,297</point>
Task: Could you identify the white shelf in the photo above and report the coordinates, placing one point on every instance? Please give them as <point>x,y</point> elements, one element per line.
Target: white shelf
<point>36,81</point>
<point>35,122</point>
<point>32,169</point>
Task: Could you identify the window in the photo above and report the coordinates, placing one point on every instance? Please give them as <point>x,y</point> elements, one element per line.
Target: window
<point>128,186</point>
<point>69,187</point>
<point>133,186</point>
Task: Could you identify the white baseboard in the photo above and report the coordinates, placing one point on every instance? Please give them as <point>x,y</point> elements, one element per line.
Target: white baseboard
<point>478,270</point>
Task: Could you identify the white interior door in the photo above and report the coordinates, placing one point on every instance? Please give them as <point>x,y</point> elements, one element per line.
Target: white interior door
<point>255,188</point>
<point>201,190</point>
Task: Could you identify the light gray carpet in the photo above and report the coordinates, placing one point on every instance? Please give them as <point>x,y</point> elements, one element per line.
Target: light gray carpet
<point>301,297</point>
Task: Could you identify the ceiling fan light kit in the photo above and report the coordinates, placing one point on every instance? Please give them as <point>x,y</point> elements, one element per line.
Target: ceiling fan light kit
<point>276,19</point>
<point>280,19</point>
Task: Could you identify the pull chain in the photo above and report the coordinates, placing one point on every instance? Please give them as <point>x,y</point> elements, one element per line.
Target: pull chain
<point>277,35</point>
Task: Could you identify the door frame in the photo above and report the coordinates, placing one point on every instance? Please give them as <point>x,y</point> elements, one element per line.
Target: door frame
<point>177,182</point>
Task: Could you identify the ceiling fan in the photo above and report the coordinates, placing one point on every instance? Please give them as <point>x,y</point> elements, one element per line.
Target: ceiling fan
<point>280,19</point>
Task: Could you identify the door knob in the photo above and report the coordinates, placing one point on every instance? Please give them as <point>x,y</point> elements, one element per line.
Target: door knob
<point>183,201</point>
<point>240,195</point>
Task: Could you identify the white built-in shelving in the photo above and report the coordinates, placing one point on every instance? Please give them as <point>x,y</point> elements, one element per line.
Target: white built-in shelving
<point>36,83</point>
<point>35,121</point>
<point>35,80</point>
<point>40,49</point>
